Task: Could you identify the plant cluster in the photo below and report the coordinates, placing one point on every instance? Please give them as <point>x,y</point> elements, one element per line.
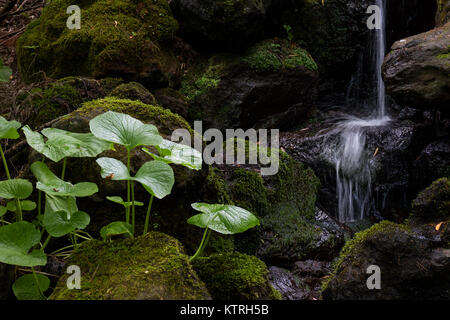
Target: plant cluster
<point>22,243</point>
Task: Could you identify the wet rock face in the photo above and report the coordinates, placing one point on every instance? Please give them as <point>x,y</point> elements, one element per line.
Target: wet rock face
<point>390,150</point>
<point>414,264</point>
<point>416,71</point>
<point>220,25</point>
<point>303,282</point>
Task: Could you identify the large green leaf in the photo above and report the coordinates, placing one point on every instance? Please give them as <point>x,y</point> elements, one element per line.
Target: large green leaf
<point>113,169</point>
<point>56,203</point>
<point>171,152</point>
<point>26,205</point>
<point>123,129</point>
<point>16,240</point>
<point>116,228</point>
<point>81,144</point>
<point>126,204</point>
<point>15,189</point>
<point>25,287</point>
<point>53,185</point>
<point>5,72</point>
<point>156,176</point>
<point>58,224</point>
<point>226,219</point>
<point>8,129</point>
<point>61,144</point>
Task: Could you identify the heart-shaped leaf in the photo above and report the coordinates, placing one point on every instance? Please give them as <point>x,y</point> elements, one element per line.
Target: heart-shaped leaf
<point>116,228</point>
<point>61,144</point>
<point>55,204</point>
<point>119,200</point>
<point>171,152</point>
<point>156,176</point>
<point>15,189</point>
<point>59,224</point>
<point>26,205</point>
<point>226,219</point>
<point>124,130</point>
<point>8,129</point>
<point>5,72</point>
<point>52,185</point>
<point>25,287</point>
<point>16,240</point>
<point>113,169</point>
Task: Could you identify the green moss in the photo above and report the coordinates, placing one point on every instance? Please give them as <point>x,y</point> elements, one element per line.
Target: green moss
<point>384,229</point>
<point>116,36</point>
<point>235,276</point>
<point>133,91</point>
<point>275,55</point>
<point>433,202</point>
<point>150,267</point>
<point>49,103</point>
<point>164,119</point>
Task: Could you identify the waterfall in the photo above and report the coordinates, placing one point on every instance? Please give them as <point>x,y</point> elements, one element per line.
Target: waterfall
<point>349,155</point>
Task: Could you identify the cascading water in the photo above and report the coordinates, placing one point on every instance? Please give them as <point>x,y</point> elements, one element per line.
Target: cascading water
<point>352,160</point>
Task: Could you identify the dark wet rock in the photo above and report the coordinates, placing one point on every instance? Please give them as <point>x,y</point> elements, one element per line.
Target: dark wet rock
<point>432,163</point>
<point>416,71</point>
<point>272,85</point>
<point>289,285</point>
<point>303,282</point>
<point>172,100</point>
<point>7,276</point>
<point>414,263</point>
<point>220,25</point>
<point>389,151</point>
<point>150,267</point>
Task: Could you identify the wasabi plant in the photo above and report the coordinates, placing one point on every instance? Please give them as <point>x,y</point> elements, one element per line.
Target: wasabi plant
<point>224,219</point>
<point>155,176</point>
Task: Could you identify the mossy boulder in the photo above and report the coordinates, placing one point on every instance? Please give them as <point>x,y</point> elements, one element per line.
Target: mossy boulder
<point>235,276</point>
<point>42,104</point>
<point>220,25</point>
<point>414,264</point>
<point>150,267</point>
<point>173,100</point>
<point>416,71</point>
<point>127,38</point>
<point>433,203</point>
<point>272,85</point>
<point>133,91</point>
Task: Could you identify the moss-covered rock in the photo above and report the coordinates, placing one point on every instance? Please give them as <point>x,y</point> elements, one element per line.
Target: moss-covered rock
<point>133,91</point>
<point>271,85</point>
<point>433,202</point>
<point>150,267</point>
<point>127,38</point>
<point>173,100</point>
<point>412,265</point>
<point>235,276</point>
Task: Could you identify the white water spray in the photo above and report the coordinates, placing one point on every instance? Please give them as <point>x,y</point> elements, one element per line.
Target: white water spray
<point>352,160</point>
